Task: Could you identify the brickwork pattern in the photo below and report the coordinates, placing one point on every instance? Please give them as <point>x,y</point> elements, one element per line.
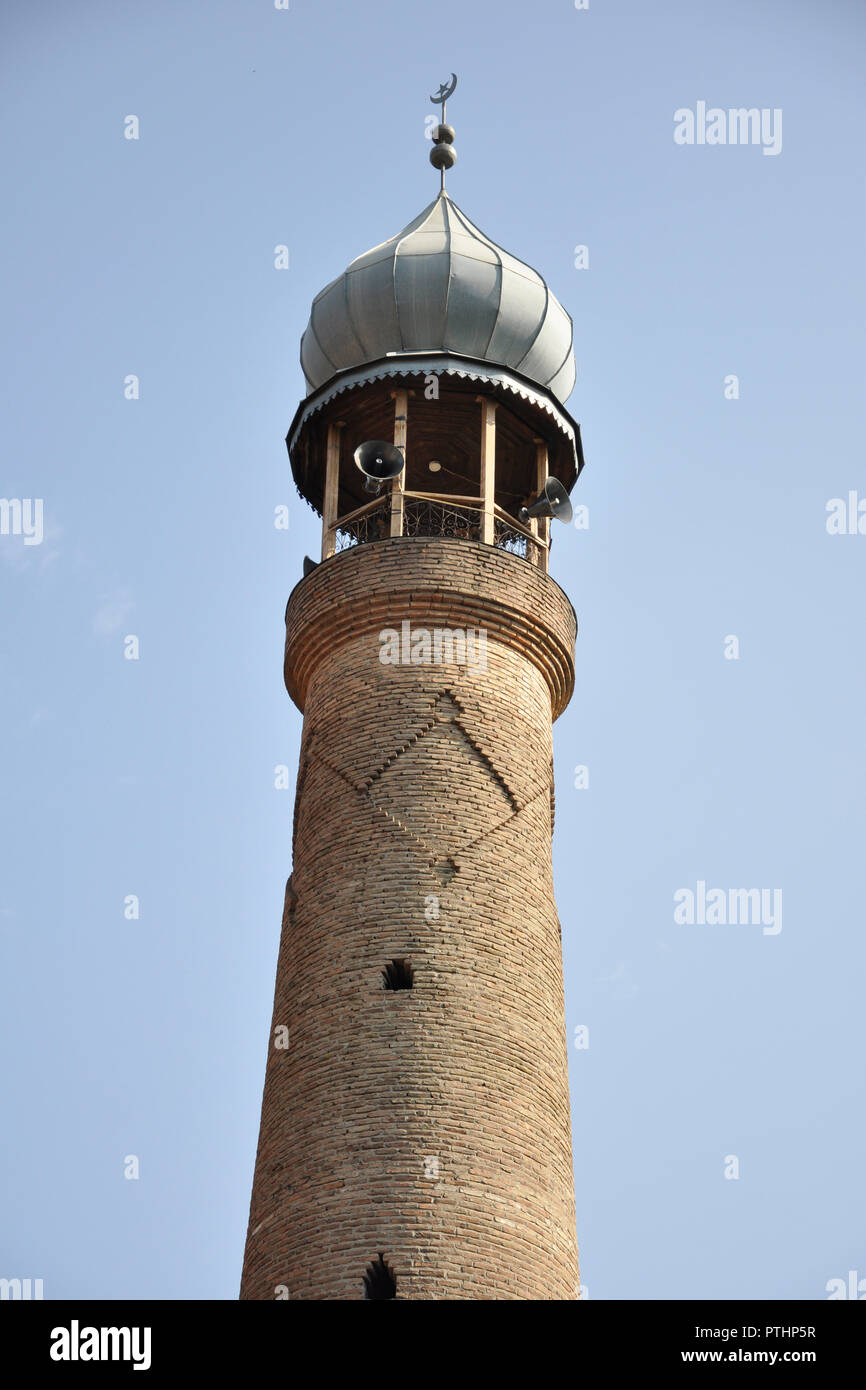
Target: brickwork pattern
<point>432,1123</point>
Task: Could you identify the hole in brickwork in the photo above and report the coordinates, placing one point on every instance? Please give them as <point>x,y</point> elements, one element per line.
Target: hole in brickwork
<point>379,1281</point>
<point>444,869</point>
<point>398,974</point>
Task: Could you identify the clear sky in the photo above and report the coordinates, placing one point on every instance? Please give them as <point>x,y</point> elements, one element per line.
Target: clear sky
<point>155,777</point>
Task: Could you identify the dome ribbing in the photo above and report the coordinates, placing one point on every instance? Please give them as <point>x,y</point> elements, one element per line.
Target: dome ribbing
<point>440,285</point>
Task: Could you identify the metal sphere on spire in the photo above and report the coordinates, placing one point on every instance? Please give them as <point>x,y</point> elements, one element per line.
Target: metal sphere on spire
<point>443,154</point>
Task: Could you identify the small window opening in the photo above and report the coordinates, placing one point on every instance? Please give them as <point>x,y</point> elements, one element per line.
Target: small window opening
<point>379,1281</point>
<point>398,974</point>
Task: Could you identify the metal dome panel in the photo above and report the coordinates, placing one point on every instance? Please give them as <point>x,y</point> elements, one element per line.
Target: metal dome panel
<point>440,285</point>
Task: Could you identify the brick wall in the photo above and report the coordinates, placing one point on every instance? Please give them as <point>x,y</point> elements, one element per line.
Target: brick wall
<point>432,1123</point>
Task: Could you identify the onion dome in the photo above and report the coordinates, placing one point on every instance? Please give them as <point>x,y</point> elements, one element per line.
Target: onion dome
<point>440,285</point>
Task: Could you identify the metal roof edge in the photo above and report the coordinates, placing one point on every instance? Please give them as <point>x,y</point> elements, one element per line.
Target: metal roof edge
<point>425,363</point>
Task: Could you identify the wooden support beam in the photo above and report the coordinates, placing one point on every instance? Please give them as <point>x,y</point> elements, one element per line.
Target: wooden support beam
<point>488,467</point>
<point>541,524</point>
<point>332,490</point>
<point>398,486</point>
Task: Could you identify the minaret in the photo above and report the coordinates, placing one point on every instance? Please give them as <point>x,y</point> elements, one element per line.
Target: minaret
<point>415,1138</point>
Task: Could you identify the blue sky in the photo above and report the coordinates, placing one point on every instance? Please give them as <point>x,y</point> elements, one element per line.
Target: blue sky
<point>708,516</point>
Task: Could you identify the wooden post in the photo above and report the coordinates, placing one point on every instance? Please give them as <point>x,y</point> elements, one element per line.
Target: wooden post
<point>488,467</point>
<point>331,498</point>
<point>398,486</point>
<point>541,524</point>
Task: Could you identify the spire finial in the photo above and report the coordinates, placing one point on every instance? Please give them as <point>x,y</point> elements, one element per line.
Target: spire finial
<point>443,154</point>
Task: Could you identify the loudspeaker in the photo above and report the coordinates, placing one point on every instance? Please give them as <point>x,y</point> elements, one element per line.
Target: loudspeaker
<point>379,461</point>
<point>309,565</point>
<point>554,501</point>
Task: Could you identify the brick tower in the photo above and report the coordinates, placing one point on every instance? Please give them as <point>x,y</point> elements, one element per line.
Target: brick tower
<point>415,1138</point>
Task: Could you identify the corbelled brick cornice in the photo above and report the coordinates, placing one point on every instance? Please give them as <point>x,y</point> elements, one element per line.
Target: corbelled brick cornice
<point>431,582</point>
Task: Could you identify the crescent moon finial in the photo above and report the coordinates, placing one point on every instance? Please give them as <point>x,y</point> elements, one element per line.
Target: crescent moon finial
<point>445,91</point>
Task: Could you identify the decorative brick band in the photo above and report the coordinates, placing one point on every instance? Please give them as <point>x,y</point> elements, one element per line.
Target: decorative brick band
<point>432,582</point>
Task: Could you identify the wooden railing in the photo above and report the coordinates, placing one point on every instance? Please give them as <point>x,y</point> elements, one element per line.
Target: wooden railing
<point>437,514</point>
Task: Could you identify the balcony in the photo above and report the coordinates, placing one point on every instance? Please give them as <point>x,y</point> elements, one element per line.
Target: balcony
<point>399,513</point>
